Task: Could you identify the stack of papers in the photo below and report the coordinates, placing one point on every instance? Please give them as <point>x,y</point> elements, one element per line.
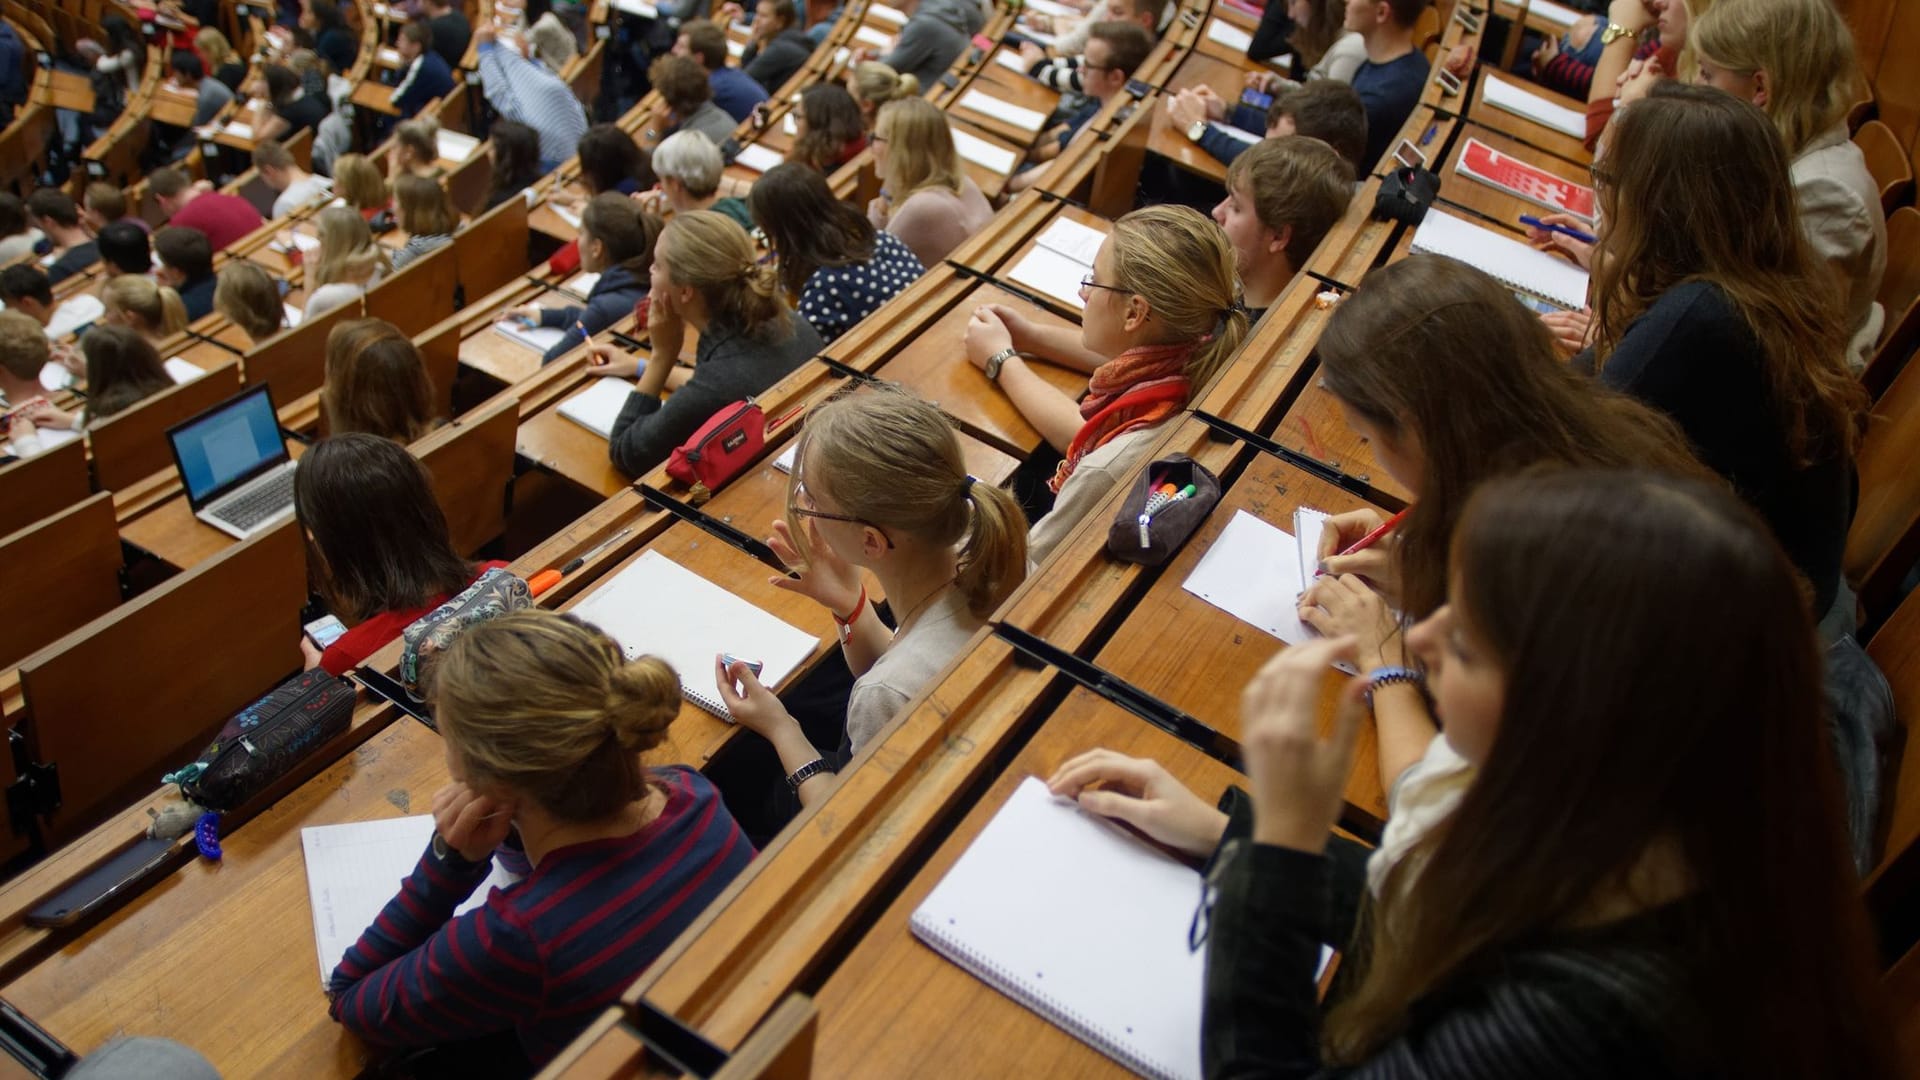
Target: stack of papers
<point>598,406</point>
<point>455,147</point>
<point>1502,94</point>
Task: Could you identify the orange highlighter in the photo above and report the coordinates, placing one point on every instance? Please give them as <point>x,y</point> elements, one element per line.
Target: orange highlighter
<point>548,578</point>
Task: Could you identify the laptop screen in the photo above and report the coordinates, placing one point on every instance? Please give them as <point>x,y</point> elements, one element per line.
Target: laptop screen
<point>227,443</point>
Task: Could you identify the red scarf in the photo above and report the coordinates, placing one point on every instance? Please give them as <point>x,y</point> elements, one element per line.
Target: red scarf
<point>1137,389</point>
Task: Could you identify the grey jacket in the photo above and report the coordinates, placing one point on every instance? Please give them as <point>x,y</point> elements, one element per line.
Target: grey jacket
<point>933,38</point>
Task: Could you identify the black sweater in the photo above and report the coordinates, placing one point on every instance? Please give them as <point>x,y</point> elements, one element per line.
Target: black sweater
<point>1693,356</point>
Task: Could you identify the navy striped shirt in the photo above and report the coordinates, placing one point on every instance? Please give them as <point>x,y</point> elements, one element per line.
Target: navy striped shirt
<point>544,957</point>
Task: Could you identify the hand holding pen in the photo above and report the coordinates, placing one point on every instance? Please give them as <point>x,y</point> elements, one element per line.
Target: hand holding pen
<point>1350,543</point>
<point>1563,233</point>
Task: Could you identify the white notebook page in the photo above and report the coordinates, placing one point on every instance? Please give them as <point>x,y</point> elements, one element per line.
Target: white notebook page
<point>73,313</point>
<point>758,158</point>
<point>657,607</point>
<point>1256,571</point>
<point>989,156</point>
<point>537,338</point>
<point>1508,260</point>
<point>1019,116</point>
<point>1078,242</point>
<point>598,406</point>
<point>1052,273</point>
<point>1502,94</point>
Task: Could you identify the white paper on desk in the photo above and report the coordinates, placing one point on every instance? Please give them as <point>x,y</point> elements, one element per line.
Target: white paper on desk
<point>840,54</point>
<point>1011,60</point>
<point>354,869</point>
<point>74,312</point>
<point>386,54</point>
<point>1253,573</point>
<point>789,125</point>
<point>1023,118</point>
<point>867,35</point>
<point>639,8</point>
<point>1510,262</point>
<point>1557,14</point>
<point>181,371</point>
<point>455,146</point>
<point>582,284</point>
<point>788,457</point>
<point>1232,132</point>
<point>598,406</point>
<point>303,242</point>
<point>1502,94</point>
<point>294,315</point>
<point>1076,241</point>
<point>736,49</point>
<point>1225,33</point>
<point>537,338</point>
<point>990,156</point>
<point>657,607</point>
<point>1051,273</point>
<point>1053,10</point>
<point>758,158</point>
<point>238,130</point>
<point>1039,36</point>
<point>55,377</point>
<point>885,14</point>
<point>570,217</point>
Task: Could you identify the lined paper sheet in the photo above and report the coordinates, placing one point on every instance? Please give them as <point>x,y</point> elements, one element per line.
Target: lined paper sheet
<point>598,406</point>
<point>788,457</point>
<point>354,869</point>
<point>1049,272</point>
<point>758,158</point>
<point>73,313</point>
<point>537,338</point>
<point>1502,94</point>
<point>1255,571</point>
<point>1511,262</point>
<point>1076,241</point>
<point>989,156</point>
<point>657,607</point>
<point>1023,118</point>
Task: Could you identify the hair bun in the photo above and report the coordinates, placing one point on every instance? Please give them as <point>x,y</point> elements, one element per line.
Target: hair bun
<point>642,701</point>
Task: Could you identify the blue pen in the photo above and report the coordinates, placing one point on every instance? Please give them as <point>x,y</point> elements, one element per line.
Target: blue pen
<point>1431,132</point>
<point>1585,238</point>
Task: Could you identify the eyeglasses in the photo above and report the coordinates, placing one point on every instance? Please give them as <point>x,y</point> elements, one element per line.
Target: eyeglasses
<point>876,137</point>
<point>1601,177</point>
<point>1088,283</point>
<point>801,495</point>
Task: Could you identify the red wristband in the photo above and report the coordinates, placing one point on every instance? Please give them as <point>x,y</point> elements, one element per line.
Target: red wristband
<point>859,606</point>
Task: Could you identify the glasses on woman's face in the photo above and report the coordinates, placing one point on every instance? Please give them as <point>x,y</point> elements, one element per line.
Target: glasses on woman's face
<point>1088,283</point>
<point>801,504</point>
<point>1601,177</point>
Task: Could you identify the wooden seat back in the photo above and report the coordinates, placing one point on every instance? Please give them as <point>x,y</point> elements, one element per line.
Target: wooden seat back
<point>1887,161</point>
<point>420,295</point>
<point>1900,297</point>
<point>781,1048</point>
<point>293,362</point>
<point>440,353</point>
<point>492,250</point>
<point>1884,541</point>
<point>143,688</point>
<point>44,484</point>
<point>132,445</point>
<point>469,183</point>
<point>63,571</point>
<point>471,461</point>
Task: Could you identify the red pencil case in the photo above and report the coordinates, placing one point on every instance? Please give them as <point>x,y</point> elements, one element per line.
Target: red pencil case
<point>724,445</point>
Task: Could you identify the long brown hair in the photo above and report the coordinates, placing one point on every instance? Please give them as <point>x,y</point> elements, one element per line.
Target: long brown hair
<point>709,251</point>
<point>1313,38</point>
<point>123,369</point>
<point>1434,349</point>
<point>376,382</point>
<point>833,124</point>
<point>806,225</point>
<point>1694,186</point>
<point>376,526</point>
<point>1634,722</point>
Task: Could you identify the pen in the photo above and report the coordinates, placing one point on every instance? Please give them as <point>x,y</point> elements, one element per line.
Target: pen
<point>1370,539</point>
<point>603,545</point>
<point>1585,238</point>
<point>1432,130</point>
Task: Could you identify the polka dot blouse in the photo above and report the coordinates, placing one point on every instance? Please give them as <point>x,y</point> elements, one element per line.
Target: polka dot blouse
<point>836,297</point>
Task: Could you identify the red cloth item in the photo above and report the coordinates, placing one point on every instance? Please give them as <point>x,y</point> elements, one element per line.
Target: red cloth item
<point>1137,389</point>
<point>373,634</point>
<point>1600,112</point>
<point>224,218</point>
<point>567,259</point>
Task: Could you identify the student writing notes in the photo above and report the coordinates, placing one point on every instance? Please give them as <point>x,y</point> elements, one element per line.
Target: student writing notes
<point>545,724</point>
<point>705,276</point>
<point>616,242</point>
<point>1632,926</point>
<point>879,484</point>
<point>1160,321</point>
<point>1420,344</point>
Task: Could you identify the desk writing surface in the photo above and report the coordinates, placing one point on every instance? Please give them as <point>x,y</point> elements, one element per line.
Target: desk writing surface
<point>170,106</point>
<point>1025,93</point>
<point>1165,138</point>
<point>220,955</point>
<point>1551,140</point>
<point>169,531</point>
<point>1315,426</point>
<point>1505,209</point>
<point>935,366</point>
<point>569,449</point>
<point>1002,267</point>
<point>894,1005</point>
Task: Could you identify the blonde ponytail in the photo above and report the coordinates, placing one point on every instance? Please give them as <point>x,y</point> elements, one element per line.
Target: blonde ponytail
<point>710,252</point>
<point>158,306</point>
<point>548,706</point>
<point>993,561</point>
<point>1180,261</point>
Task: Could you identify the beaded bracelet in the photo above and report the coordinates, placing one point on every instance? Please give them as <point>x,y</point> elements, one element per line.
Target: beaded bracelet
<point>1387,676</point>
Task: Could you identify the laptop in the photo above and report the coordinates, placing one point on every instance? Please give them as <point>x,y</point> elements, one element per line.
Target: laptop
<point>234,464</point>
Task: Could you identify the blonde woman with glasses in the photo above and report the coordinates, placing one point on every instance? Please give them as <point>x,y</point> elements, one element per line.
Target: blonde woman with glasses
<point>926,199</point>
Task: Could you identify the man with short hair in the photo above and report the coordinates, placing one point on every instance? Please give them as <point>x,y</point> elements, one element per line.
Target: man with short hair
<point>125,248</point>
<point>684,89</point>
<point>450,30</point>
<point>186,266</point>
<point>778,48</point>
<point>734,91</point>
<point>526,92</point>
<point>222,217</point>
<point>102,204</point>
<point>296,186</point>
<point>1114,50</point>
<point>1060,68</point>
<point>1283,196</point>
<point>23,352</point>
<point>210,95</point>
<point>1327,109</point>
<point>1390,79</point>
<point>427,74</point>
<point>52,212</point>
<point>25,289</point>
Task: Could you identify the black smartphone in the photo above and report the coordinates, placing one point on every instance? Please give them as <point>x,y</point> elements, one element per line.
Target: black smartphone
<point>88,892</point>
<point>1255,98</point>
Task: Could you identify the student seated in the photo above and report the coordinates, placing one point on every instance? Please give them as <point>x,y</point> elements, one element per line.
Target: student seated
<point>376,383</point>
<point>427,78</point>
<point>425,214</point>
<point>524,91</point>
<point>831,256</point>
<point>450,29</point>
<point>18,237</point>
<point>516,161</point>
<point>1421,343</point>
<point>690,167</point>
<point>933,37</point>
<point>1390,79</point>
<point>706,276</point>
<point>778,48</point>
<point>1113,52</point>
<point>546,725</point>
<point>927,201</point>
<point>874,85</point>
<point>1160,322</point>
<point>53,213</point>
<point>1064,66</point>
<point>295,107</point>
<point>104,204</point>
<point>688,100</point>
<point>610,161</point>
<point>383,557</point>
<point>346,264</point>
<point>360,182</point>
<point>1794,59</point>
<point>125,248</point>
<point>415,150</point>
<point>122,370</point>
<point>1644,43</point>
<point>880,484</point>
<point>24,288</point>
<point>1283,196</point>
<point>221,60</point>
<point>734,91</point>
<point>333,41</point>
<point>829,133</point>
<point>1585,907</point>
<point>186,266</point>
<point>23,352</point>
<point>1324,109</point>
<point>250,299</point>
<point>150,309</point>
<point>1709,305</point>
<point>211,95</point>
<point>616,242</point>
<point>224,218</point>
<point>296,186</point>
<point>1317,39</point>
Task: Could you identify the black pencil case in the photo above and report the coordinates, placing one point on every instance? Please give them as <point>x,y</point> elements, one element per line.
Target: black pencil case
<point>1151,537</point>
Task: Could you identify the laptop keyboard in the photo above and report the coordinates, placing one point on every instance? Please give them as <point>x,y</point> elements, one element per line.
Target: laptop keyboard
<point>265,499</point>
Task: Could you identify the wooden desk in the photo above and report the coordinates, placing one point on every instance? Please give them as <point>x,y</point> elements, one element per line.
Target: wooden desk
<point>1026,95</point>
<point>1165,138</point>
<point>568,449</point>
<point>171,106</point>
<point>1551,140</point>
<point>169,531</point>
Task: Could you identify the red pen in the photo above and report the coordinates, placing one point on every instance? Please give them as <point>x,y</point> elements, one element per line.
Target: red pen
<point>1370,539</point>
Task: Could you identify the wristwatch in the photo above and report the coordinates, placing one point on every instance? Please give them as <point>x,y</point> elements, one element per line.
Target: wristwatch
<point>1614,32</point>
<point>999,360</point>
<point>807,772</point>
<point>1196,129</point>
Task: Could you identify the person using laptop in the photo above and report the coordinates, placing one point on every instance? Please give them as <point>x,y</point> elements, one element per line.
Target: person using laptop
<point>382,553</point>
<point>23,352</point>
<point>234,464</point>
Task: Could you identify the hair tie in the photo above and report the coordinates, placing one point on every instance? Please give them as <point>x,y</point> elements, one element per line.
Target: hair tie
<point>966,487</point>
